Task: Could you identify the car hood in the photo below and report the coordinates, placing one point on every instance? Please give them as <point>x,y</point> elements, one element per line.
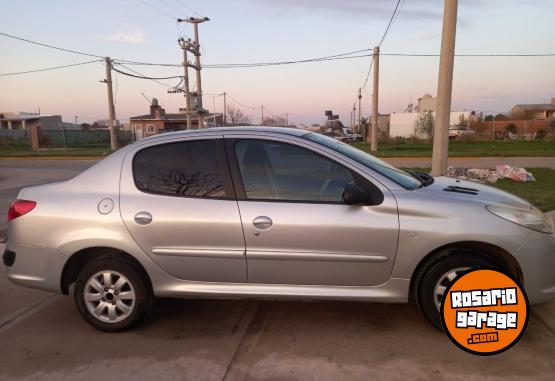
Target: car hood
<point>473,192</point>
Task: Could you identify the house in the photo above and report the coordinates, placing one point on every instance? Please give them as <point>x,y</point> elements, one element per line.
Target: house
<point>427,103</point>
<point>540,111</point>
<point>403,124</point>
<point>159,121</point>
<point>24,121</point>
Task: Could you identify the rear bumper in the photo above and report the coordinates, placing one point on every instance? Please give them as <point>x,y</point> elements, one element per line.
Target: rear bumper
<point>36,267</point>
<point>536,257</point>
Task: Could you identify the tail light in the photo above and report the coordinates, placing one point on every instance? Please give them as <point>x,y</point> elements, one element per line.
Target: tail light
<point>20,207</point>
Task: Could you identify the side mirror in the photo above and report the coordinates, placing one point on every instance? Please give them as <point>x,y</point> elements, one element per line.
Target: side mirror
<point>356,195</point>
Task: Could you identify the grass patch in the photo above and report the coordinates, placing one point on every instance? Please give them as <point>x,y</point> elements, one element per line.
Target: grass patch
<point>501,148</point>
<point>540,193</point>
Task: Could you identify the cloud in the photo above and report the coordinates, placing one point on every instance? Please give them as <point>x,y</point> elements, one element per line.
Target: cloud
<point>135,37</point>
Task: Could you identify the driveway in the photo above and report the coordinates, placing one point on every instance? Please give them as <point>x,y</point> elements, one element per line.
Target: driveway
<point>42,337</point>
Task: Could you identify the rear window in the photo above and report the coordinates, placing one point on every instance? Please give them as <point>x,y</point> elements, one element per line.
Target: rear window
<point>183,169</point>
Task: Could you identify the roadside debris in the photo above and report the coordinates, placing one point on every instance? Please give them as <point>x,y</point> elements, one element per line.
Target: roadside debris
<point>491,176</point>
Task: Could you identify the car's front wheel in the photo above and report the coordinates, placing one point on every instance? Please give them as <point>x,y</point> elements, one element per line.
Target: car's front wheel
<point>111,294</point>
<point>436,278</point>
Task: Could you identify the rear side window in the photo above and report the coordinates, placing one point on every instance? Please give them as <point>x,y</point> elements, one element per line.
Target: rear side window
<point>184,169</point>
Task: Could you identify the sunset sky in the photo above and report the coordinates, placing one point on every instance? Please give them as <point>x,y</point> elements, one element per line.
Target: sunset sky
<point>273,30</point>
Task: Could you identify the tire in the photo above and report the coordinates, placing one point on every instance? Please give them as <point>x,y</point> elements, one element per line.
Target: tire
<point>118,296</point>
<point>437,274</point>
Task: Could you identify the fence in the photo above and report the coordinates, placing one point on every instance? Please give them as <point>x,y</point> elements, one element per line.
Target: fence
<point>84,139</point>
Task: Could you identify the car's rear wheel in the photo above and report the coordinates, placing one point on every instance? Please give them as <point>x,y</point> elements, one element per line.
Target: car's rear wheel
<point>111,294</point>
<point>436,278</point>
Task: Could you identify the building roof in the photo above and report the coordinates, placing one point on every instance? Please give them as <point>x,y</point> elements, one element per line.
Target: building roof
<point>12,117</point>
<point>537,107</point>
<point>177,116</point>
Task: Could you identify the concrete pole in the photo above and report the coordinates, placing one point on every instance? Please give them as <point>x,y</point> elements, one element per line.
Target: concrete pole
<point>200,117</point>
<point>444,89</point>
<point>186,86</point>
<point>111,108</point>
<point>374,137</point>
<point>225,109</point>
<point>359,109</point>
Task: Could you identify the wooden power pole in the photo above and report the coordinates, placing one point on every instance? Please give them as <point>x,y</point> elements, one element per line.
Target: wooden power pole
<point>375,113</point>
<point>111,107</point>
<point>444,88</point>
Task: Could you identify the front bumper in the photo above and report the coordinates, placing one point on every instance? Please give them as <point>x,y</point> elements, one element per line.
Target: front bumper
<point>36,267</point>
<point>536,257</point>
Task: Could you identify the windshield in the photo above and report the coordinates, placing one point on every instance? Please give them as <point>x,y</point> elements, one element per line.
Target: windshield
<point>400,177</point>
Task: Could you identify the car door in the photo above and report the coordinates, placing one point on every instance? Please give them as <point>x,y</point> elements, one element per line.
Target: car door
<point>297,230</point>
<point>178,203</point>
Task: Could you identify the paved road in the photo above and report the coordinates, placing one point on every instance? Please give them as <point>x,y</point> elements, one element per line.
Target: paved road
<point>42,337</point>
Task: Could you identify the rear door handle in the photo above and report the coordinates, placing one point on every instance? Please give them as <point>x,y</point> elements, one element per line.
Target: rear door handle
<point>143,218</point>
<point>262,222</point>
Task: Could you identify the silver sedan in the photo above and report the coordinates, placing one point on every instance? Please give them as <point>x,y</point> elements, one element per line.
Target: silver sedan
<point>270,213</point>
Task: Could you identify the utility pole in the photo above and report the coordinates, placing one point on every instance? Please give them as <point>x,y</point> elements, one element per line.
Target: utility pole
<point>374,137</point>
<point>286,119</point>
<point>111,108</point>
<point>359,109</point>
<point>194,48</point>
<point>353,114</point>
<point>444,88</point>
<point>184,44</point>
<point>261,115</point>
<point>225,109</point>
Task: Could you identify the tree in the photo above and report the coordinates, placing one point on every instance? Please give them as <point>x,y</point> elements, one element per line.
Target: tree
<point>425,124</point>
<point>236,116</point>
<point>488,118</point>
<point>278,121</point>
<point>511,128</point>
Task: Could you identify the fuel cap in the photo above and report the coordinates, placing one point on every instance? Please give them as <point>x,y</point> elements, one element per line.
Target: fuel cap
<point>105,206</point>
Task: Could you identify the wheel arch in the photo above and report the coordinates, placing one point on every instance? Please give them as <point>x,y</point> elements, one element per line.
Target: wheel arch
<point>79,259</point>
<point>496,254</point>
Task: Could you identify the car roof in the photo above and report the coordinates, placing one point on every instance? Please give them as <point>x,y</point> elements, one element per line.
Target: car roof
<point>263,130</point>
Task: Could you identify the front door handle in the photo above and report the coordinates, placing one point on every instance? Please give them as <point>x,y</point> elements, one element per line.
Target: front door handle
<point>143,218</point>
<point>262,222</point>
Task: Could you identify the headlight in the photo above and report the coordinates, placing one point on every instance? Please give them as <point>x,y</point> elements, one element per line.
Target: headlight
<point>533,218</point>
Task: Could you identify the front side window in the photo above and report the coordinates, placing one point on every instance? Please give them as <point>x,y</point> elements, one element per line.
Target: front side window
<point>400,177</point>
<point>184,169</point>
<point>278,171</point>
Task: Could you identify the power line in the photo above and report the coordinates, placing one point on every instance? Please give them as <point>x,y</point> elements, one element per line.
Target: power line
<point>48,68</point>
<point>241,103</point>
<point>170,6</point>
<point>142,76</point>
<point>385,33</point>
<point>186,7</point>
<point>157,9</point>
<point>340,56</point>
<point>387,29</point>
<point>50,46</point>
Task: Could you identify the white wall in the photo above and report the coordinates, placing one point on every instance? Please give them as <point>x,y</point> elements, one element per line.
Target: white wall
<point>403,124</point>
